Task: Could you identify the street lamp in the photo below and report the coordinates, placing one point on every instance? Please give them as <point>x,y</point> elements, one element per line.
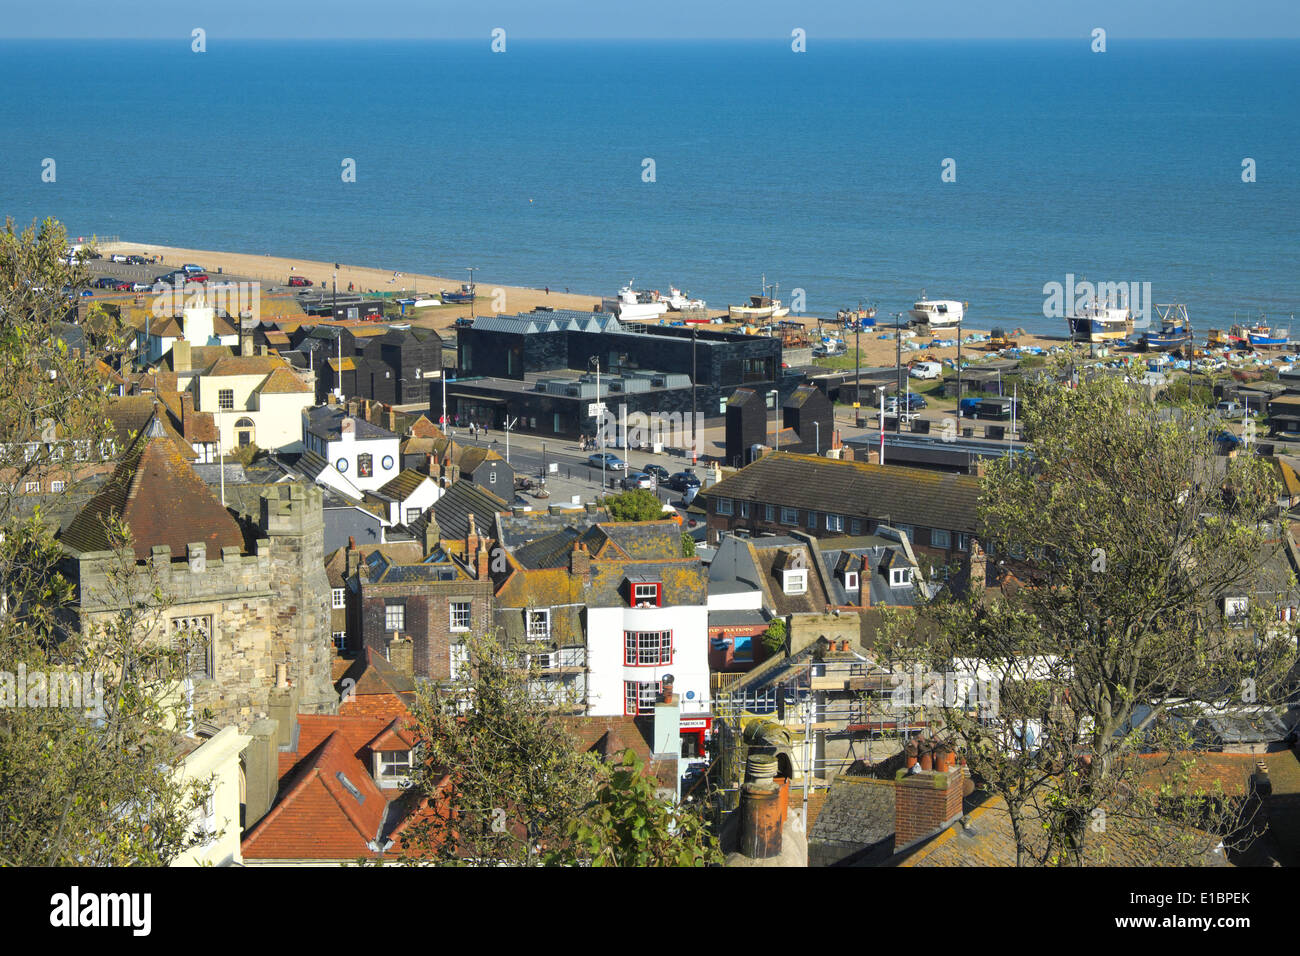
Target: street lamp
<point>600,421</point>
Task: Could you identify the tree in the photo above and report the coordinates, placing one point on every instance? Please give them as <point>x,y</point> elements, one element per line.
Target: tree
<point>635,505</point>
<point>500,756</point>
<point>96,783</point>
<point>688,545</point>
<point>631,825</point>
<point>773,639</point>
<point>1119,536</point>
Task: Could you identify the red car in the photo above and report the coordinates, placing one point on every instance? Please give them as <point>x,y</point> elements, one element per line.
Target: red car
<point>123,285</point>
<point>197,277</point>
<point>299,280</point>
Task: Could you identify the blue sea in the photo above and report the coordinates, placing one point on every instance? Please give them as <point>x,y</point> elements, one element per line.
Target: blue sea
<point>821,170</point>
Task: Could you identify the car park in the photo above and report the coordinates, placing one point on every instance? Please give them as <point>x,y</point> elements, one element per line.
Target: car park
<point>608,461</point>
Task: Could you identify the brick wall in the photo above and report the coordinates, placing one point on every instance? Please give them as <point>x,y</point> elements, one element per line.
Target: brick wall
<point>428,619</point>
<point>924,804</point>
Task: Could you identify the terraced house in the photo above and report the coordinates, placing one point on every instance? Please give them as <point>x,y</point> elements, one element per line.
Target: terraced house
<point>612,610</point>
<point>830,498</point>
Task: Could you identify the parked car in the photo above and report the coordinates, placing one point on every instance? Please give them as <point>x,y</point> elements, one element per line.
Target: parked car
<point>926,370</point>
<point>117,257</point>
<point>196,277</point>
<point>134,260</point>
<point>123,285</point>
<point>108,282</point>
<point>638,479</point>
<point>658,472</point>
<point>191,269</point>
<point>299,280</point>
<point>609,461</point>
<point>684,481</point>
<point>141,286</point>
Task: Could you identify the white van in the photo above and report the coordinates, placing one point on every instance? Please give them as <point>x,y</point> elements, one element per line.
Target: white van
<point>926,370</point>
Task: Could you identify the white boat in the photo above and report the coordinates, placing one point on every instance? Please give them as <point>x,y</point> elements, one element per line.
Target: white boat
<point>937,312</point>
<point>635,305</point>
<point>760,307</point>
<point>1096,322</point>
<point>678,302</point>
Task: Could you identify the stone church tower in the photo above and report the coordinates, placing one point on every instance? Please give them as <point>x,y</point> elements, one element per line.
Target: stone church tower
<point>257,593</point>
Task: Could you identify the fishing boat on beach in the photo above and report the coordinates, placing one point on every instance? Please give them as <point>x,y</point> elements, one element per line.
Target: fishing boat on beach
<point>679,301</point>
<point>466,294</point>
<point>1096,323</point>
<point>760,307</point>
<point>635,305</point>
<point>937,313</point>
<point>1262,336</point>
<point>1174,332</point>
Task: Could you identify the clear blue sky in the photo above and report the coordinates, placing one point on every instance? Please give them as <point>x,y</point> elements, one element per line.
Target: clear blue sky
<point>691,19</point>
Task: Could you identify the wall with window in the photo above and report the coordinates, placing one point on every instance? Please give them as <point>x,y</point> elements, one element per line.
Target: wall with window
<point>435,615</point>
<point>638,646</point>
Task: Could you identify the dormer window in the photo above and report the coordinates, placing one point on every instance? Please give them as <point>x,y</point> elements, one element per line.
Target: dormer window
<point>795,581</point>
<point>393,768</point>
<point>647,594</point>
<point>850,580</point>
<point>900,577</point>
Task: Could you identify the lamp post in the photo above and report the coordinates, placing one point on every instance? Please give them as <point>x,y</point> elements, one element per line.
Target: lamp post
<point>600,421</point>
<point>898,372</point>
<point>471,290</point>
<point>776,424</point>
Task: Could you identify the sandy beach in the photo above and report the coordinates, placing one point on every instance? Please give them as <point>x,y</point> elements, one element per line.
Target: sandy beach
<point>495,296</point>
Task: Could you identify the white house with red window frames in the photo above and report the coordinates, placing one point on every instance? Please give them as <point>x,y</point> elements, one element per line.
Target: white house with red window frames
<point>631,647</point>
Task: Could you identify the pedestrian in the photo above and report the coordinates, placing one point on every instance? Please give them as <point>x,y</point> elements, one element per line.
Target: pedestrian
<point>548,290</point>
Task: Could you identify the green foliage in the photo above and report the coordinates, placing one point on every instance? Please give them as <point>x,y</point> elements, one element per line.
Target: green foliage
<point>688,545</point>
<point>96,784</point>
<point>630,825</point>
<point>773,638</point>
<point>635,505</point>
<point>1124,532</point>
<point>502,762</point>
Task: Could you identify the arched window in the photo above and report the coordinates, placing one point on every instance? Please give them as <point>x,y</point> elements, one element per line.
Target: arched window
<point>244,431</point>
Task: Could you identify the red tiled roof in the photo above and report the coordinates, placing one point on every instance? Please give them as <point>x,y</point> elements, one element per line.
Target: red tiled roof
<point>160,498</point>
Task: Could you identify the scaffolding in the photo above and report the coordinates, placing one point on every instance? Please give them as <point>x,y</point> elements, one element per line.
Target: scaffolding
<point>820,712</point>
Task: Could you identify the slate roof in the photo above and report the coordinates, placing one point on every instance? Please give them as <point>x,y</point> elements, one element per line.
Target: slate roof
<point>404,484</point>
<point>160,498</point>
<point>856,822</point>
<point>457,503</point>
<point>917,496</point>
<point>326,421</point>
<point>516,530</point>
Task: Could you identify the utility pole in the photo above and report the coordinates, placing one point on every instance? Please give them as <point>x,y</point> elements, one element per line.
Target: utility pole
<point>335,305</point>
<point>510,423</point>
<point>898,373</point>
<point>471,291</point>
<point>959,370</point>
<point>857,367</point>
<point>695,442</point>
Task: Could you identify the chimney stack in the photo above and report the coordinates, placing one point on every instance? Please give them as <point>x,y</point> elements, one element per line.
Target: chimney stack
<point>471,539</point>
<point>187,415</point>
<point>580,561</point>
<point>353,556</point>
<point>481,561</point>
<point>181,355</point>
<point>245,338</point>
<point>925,803</point>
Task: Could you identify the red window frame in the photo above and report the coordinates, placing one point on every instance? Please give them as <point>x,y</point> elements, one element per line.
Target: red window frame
<point>634,642</point>
<point>632,696</point>
<point>658,593</point>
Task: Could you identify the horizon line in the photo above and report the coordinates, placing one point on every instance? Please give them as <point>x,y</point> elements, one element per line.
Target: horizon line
<point>755,38</point>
